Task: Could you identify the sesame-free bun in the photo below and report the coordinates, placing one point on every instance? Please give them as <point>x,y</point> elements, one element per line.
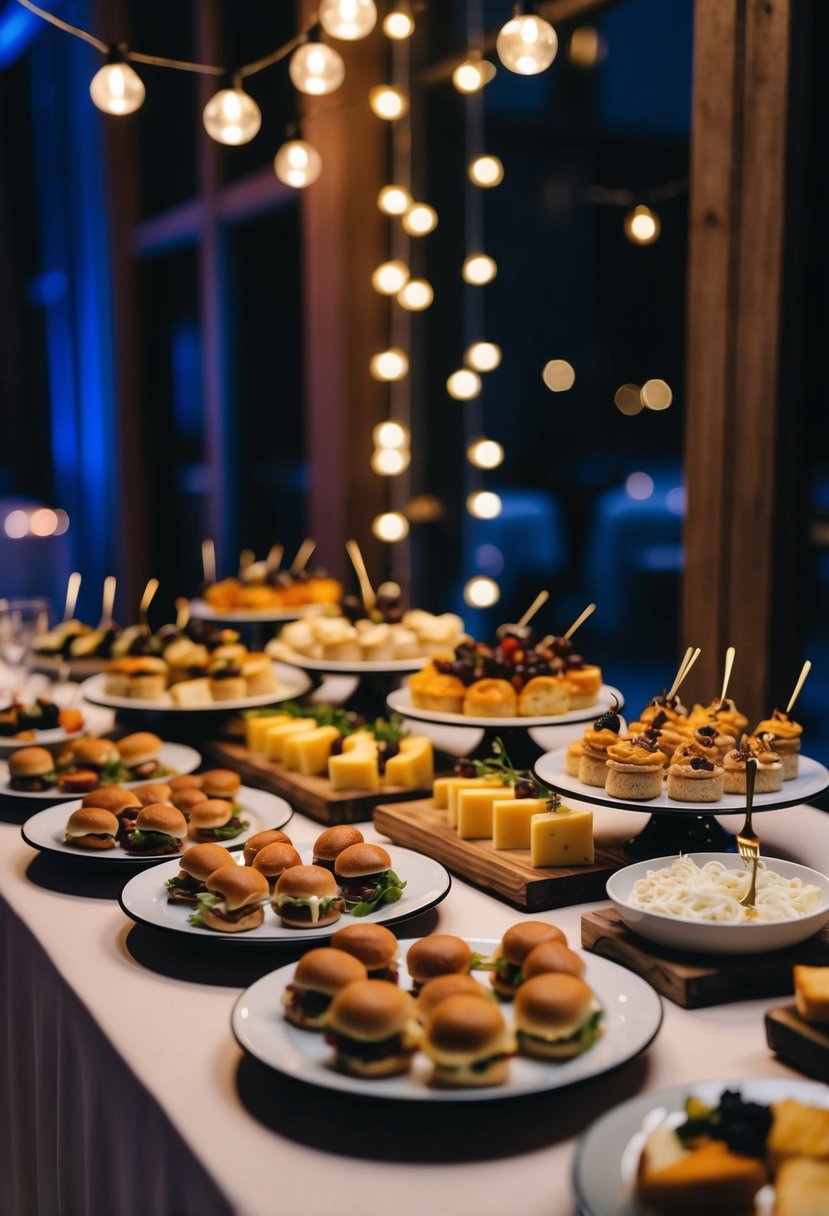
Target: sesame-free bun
<point>261,840</point>
<point>202,860</point>
<point>95,753</point>
<point>221,783</point>
<point>185,781</point>
<point>31,762</point>
<point>88,824</point>
<point>517,943</point>
<point>161,817</point>
<point>274,859</point>
<point>210,813</point>
<point>138,748</point>
<point>238,886</point>
<point>437,954</point>
<point>374,945</point>
<point>330,843</point>
<point>491,699</point>
<point>552,1008</point>
<point>464,1030</point>
<point>442,987</point>
<point>552,956</point>
<point>185,799</point>
<point>113,798</point>
<point>370,1010</point>
<point>361,859</point>
<point>301,882</point>
<point>155,792</point>
<point>327,970</point>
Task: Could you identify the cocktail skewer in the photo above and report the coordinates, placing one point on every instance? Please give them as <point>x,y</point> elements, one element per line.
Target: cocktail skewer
<point>801,680</point>
<point>366,589</point>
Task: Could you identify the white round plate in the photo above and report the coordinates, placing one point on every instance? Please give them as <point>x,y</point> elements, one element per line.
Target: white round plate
<point>144,899</point>
<point>401,702</point>
<point>352,667</point>
<point>812,780</point>
<point>175,756</point>
<point>718,937</point>
<point>633,1015</point>
<point>45,830</point>
<point>203,611</point>
<point>291,683</point>
<point>95,721</point>
<point>604,1169</point>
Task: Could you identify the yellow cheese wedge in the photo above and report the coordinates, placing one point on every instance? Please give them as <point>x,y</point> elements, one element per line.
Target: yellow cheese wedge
<point>442,786</point>
<point>475,811</point>
<point>414,764</point>
<point>356,769</point>
<point>257,728</point>
<point>358,739</point>
<point>468,783</point>
<point>511,821</point>
<point>309,752</point>
<point>562,838</point>
<point>276,737</point>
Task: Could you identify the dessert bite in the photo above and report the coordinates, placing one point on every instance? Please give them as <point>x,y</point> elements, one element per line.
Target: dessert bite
<point>769,775</point>
<point>594,746</point>
<point>635,768</point>
<point>782,734</point>
<point>695,779</point>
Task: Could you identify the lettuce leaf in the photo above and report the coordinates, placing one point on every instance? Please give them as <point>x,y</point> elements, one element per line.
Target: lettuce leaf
<point>206,900</point>
<point>389,889</point>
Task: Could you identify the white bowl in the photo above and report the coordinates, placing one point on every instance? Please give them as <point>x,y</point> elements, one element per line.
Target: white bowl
<point>718,937</point>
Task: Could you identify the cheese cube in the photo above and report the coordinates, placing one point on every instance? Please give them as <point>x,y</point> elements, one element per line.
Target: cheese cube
<point>414,764</point>
<point>562,838</point>
<point>442,786</point>
<point>468,783</point>
<point>358,739</point>
<point>257,728</point>
<point>356,769</point>
<point>511,821</point>
<point>475,810</point>
<point>309,752</point>
<point>276,736</point>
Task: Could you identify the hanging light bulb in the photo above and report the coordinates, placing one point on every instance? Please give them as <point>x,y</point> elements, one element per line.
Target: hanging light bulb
<point>527,44</point>
<point>297,164</point>
<point>390,434</point>
<point>486,171</point>
<point>390,462</point>
<point>472,74</point>
<point>347,19</point>
<point>389,277</point>
<point>481,592</point>
<point>642,226</point>
<point>484,504</point>
<point>231,116</point>
<point>416,295</point>
<point>483,356</point>
<point>392,526</point>
<point>463,384</point>
<point>388,102</point>
<point>394,200</point>
<point>316,69</point>
<point>479,268</point>
<point>116,88</point>
<point>391,364</point>
<point>420,219</point>
<point>485,454</point>
<point>399,23</point>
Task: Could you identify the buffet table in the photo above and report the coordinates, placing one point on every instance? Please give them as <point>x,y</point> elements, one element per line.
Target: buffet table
<point>126,1092</point>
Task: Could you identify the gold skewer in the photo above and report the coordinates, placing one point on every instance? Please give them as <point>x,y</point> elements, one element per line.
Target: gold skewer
<point>182,614</point>
<point>579,621</point>
<point>801,680</point>
<point>303,555</point>
<point>72,589</point>
<point>729,663</point>
<point>274,558</point>
<point>539,602</point>
<point>682,673</point>
<point>208,560</point>
<point>366,589</point>
<point>147,599</point>
<point>108,602</point>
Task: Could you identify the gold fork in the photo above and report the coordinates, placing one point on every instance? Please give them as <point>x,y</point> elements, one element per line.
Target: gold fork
<point>748,842</point>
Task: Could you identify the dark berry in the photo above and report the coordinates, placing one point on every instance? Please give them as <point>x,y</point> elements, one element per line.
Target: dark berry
<point>609,721</point>
<point>526,788</point>
<point>464,768</point>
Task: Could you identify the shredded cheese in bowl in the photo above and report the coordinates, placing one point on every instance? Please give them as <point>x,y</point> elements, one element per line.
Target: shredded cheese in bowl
<point>712,893</point>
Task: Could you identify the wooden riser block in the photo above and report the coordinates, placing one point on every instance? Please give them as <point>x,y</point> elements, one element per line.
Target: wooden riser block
<point>505,873</point>
<point>696,980</point>
<point>312,796</point>
<point>799,1044</point>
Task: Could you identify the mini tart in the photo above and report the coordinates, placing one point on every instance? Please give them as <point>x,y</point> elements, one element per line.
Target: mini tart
<point>593,763</point>
<point>572,758</point>
<point>783,735</point>
<point>583,684</point>
<point>491,699</point>
<point>714,740</point>
<point>634,770</point>
<point>696,780</point>
<point>671,729</point>
<point>430,689</point>
<point>725,713</point>
<point>768,778</point>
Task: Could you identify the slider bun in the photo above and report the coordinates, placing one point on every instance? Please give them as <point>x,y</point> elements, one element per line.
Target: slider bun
<point>238,886</point>
<point>442,987</point>
<point>139,747</point>
<point>97,752</point>
<point>202,860</point>
<point>464,1028</point>
<point>553,956</point>
<point>360,859</point>
<point>552,1008</point>
<point>370,1010</point>
<point>185,799</point>
<point>91,820</point>
<point>221,783</point>
<point>330,843</point>
<point>155,792</point>
<point>112,798</point>
<point>274,859</point>
<point>30,762</point>
<point>210,813</point>
<point>328,970</point>
<point>374,945</point>
<point>520,939</point>
<point>299,882</point>
<point>186,781</point>
<point>160,817</point>
<point>261,840</point>
<point>437,954</point>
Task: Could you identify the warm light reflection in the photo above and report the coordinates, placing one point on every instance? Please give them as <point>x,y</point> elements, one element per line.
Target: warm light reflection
<point>479,268</point>
<point>232,117</point>
<point>347,19</point>
<point>390,434</point>
<point>486,171</point>
<point>484,504</point>
<point>43,522</point>
<point>527,44</point>
<point>390,527</point>
<point>424,509</point>
<point>389,277</point>
<point>389,462</point>
<point>416,295</point>
<point>481,592</point>
<point>558,375</point>
<point>16,525</point>
<point>297,164</point>
<point>117,89</point>
<point>483,356</point>
<point>316,69</point>
<point>485,454</point>
<point>471,75</point>
<point>642,225</point>
<point>656,394</point>
<point>398,24</point>
<point>391,364</point>
<point>586,47</point>
<point>628,399</point>
<point>420,219</point>
<point>388,102</point>
<point>639,486</point>
<point>394,200</point>
<point>463,384</point>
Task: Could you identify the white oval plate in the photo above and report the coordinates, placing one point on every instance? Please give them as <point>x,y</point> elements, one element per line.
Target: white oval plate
<point>401,702</point>
<point>812,780</point>
<point>633,1015</point>
<point>291,683</point>
<point>144,899</point>
<point>45,830</point>
<point>718,937</point>
<point>203,611</point>
<point>608,1152</point>
<point>352,667</point>
<point>175,756</point>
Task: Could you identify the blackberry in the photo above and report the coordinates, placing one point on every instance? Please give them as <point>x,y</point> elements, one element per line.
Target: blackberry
<point>610,720</point>
<point>526,788</point>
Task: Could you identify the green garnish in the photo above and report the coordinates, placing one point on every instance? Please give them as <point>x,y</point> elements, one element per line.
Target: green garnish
<point>138,838</point>
<point>483,962</point>
<point>206,900</point>
<point>553,801</point>
<point>387,730</point>
<point>227,833</point>
<point>389,890</point>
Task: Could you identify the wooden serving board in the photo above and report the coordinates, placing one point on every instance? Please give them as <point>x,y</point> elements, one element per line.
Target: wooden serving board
<point>801,1044</point>
<point>695,980</point>
<point>506,873</point>
<point>311,795</point>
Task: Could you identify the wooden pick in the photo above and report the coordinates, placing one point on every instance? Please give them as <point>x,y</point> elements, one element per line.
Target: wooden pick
<point>246,558</point>
<point>539,602</point>
<point>182,614</point>
<point>579,621</point>
<point>274,558</point>
<point>729,663</point>
<point>208,560</point>
<point>72,589</point>
<point>147,599</point>
<point>366,589</point>
<point>684,662</point>
<point>801,680</point>
<point>546,641</point>
<point>682,673</point>
<point>108,602</point>
<point>303,556</point>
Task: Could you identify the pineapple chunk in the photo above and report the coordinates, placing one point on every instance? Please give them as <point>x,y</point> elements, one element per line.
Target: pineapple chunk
<point>562,838</point>
<point>475,811</point>
<point>511,821</point>
<point>309,752</point>
<point>414,764</point>
<point>276,737</point>
<point>256,730</point>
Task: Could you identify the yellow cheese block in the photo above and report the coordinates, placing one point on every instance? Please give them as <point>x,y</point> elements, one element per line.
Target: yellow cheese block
<point>257,728</point>
<point>358,739</point>
<point>468,783</point>
<point>511,821</point>
<point>308,753</point>
<point>414,764</point>
<point>475,811</point>
<point>356,769</point>
<point>277,736</point>
<point>442,786</point>
<point>562,838</point>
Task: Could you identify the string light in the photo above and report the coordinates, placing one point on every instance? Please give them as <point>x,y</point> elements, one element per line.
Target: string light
<point>391,434</point>
<point>316,69</point>
<point>391,526</point>
<point>398,24</point>
<point>486,172</point>
<point>628,400</point>
<point>483,356</point>
<point>481,592</point>
<point>485,454</point>
<point>472,74</point>
<point>527,44</point>
<point>642,226</point>
<point>116,88</point>
<point>389,277</point>
<point>391,364</point>
<point>388,102</point>
<point>484,504</point>
<point>347,20</point>
<point>390,462</point>
<point>416,295</point>
<point>420,219</point>
<point>394,200</point>
<point>463,384</point>
<point>656,394</point>
<point>297,164</point>
<point>479,269</point>
<point>232,117</point>
<point>558,375</point>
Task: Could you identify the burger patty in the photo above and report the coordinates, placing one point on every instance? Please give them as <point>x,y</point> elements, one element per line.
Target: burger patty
<point>384,973</point>
<point>183,889</point>
<point>356,890</point>
<point>237,913</point>
<point>301,912</point>
<point>33,785</point>
<point>308,1002</point>
<point>359,1050</point>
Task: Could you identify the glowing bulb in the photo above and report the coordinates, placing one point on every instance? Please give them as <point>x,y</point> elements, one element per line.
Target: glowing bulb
<point>484,504</point>
<point>392,364</point>
<point>479,268</point>
<point>117,89</point>
<point>558,375</point>
<point>486,171</point>
<point>416,295</point>
<point>316,69</point>
<point>62,524</point>
<point>628,400</point>
<point>639,486</point>
<point>388,102</point>
<point>16,525</point>
<point>481,592</point>
<point>464,384</point>
<point>390,434</point>
<point>471,75</point>
<point>398,24</point>
<point>483,356</point>
<point>527,45</point>
<point>394,200</point>
<point>347,19</point>
<point>232,117</point>
<point>420,219</point>
<point>389,277</point>
<point>656,394</point>
<point>642,226</point>
<point>391,526</point>
<point>485,454</point>
<point>43,522</point>
<point>297,164</point>
<point>389,462</point>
